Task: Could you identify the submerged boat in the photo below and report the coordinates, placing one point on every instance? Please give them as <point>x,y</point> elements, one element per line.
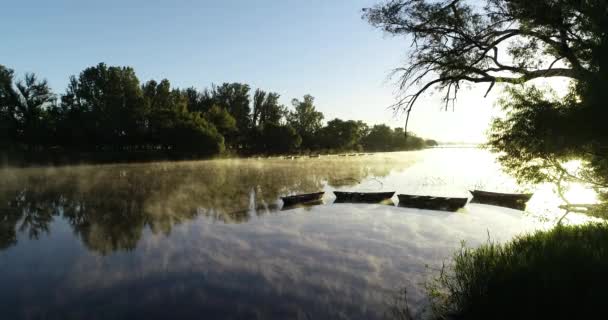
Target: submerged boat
<point>431,203</point>
<point>363,197</point>
<point>509,200</point>
<point>302,198</point>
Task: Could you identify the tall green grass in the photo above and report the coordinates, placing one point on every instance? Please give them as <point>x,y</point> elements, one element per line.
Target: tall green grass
<point>556,274</point>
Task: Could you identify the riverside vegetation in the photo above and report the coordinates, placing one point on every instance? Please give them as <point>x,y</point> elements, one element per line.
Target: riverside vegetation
<point>105,114</point>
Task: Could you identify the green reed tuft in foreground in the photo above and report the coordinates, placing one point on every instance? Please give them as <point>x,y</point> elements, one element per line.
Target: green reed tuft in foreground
<point>556,274</point>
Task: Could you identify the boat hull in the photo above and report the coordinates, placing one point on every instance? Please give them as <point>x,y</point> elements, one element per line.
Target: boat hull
<point>431,203</point>
<point>509,200</point>
<point>363,197</point>
<point>302,198</point>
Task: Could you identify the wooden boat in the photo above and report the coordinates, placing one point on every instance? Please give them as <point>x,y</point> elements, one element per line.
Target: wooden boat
<point>431,203</point>
<point>352,155</point>
<point>302,198</point>
<point>509,200</point>
<point>341,155</point>
<point>363,197</point>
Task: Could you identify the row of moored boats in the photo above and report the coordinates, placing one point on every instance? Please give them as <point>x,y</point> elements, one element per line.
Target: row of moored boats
<point>319,156</point>
<point>510,200</point>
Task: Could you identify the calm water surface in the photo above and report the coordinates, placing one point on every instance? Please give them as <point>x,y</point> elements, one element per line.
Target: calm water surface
<point>207,239</point>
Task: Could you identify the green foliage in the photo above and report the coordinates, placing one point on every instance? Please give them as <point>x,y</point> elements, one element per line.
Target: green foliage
<point>191,133</point>
<point>266,109</point>
<point>383,138</point>
<point>343,135</point>
<point>105,113</point>
<point>306,120</point>
<point>234,97</point>
<point>105,103</point>
<point>222,120</point>
<point>541,134</point>
<point>279,139</point>
<point>380,137</point>
<point>7,123</point>
<point>556,274</point>
<point>537,130</point>
<point>23,110</point>
<point>176,129</point>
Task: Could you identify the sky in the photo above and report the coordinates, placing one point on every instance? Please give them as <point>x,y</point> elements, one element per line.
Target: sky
<point>317,47</point>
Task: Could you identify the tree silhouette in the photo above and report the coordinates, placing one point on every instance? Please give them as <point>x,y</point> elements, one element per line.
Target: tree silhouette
<point>512,42</point>
<point>306,120</point>
<point>105,114</point>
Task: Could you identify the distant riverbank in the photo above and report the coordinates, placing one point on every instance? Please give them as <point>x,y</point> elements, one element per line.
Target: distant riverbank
<point>58,157</point>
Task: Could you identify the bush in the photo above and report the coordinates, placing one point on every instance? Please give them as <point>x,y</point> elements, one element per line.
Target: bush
<point>192,134</point>
<point>556,274</point>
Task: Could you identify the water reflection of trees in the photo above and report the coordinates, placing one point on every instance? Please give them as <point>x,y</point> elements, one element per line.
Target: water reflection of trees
<point>109,207</point>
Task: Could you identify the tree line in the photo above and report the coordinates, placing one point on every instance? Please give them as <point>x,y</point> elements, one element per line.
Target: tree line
<point>107,109</point>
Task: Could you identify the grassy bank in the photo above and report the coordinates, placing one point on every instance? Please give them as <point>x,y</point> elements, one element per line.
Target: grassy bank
<point>556,274</point>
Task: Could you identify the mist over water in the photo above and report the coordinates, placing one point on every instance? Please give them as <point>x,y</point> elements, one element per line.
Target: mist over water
<point>207,239</point>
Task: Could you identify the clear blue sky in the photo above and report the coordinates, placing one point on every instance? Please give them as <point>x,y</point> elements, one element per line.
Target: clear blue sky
<point>320,47</point>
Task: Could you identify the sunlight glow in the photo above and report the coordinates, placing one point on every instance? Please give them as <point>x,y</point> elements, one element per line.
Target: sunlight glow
<point>580,194</point>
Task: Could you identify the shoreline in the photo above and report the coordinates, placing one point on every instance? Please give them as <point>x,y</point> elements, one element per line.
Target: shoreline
<point>63,158</point>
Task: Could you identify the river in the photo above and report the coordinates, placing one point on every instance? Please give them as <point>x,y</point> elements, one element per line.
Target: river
<point>207,239</point>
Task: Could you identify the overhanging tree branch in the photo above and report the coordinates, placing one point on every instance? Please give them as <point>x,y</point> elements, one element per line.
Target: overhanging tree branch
<point>456,41</point>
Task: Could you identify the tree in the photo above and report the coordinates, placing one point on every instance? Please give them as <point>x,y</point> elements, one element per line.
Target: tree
<point>380,138</point>
<point>306,120</point>
<point>431,142</point>
<point>221,119</point>
<point>512,42</point>
<point>272,111</point>
<point>277,138</point>
<point>266,108</point>
<point>32,98</point>
<point>234,97</point>
<point>23,109</point>
<point>192,134</point>
<point>258,101</point>
<point>176,129</point>
<point>106,104</point>
<point>343,135</point>
<point>456,41</point>
<point>401,141</point>
<point>195,100</point>
<point>8,123</point>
